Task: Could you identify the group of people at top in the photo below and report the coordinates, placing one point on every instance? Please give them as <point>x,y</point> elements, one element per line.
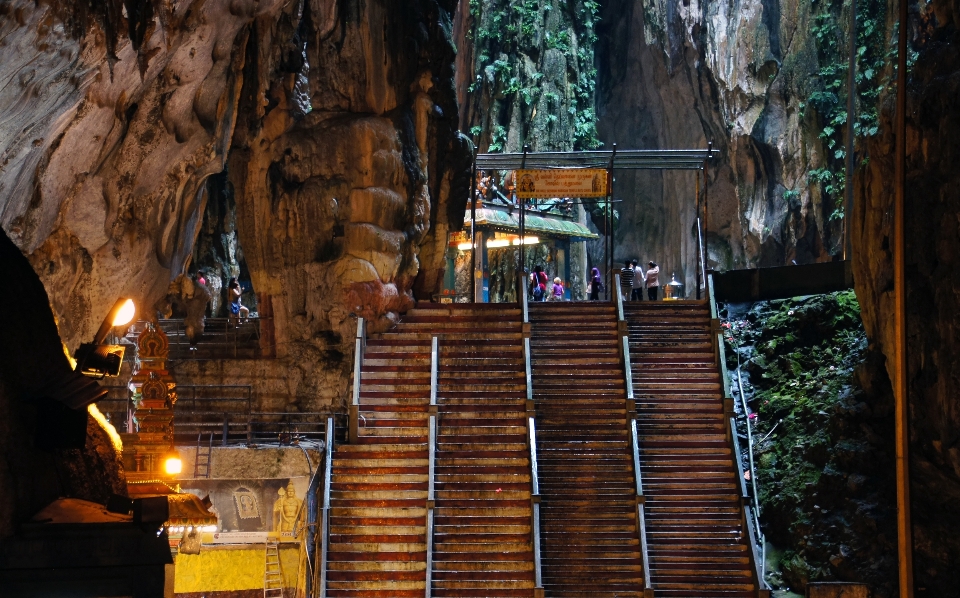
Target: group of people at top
<point>629,286</point>
<point>538,286</point>
<point>628,283</point>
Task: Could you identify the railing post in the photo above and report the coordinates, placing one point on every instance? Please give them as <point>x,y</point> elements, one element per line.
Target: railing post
<point>522,296</point>
<point>360,344</point>
<point>535,506</point>
<point>325,536</point>
<point>434,365</point>
<point>617,289</point>
<point>641,520</point>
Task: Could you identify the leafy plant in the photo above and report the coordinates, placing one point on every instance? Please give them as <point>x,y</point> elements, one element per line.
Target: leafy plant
<point>830,101</point>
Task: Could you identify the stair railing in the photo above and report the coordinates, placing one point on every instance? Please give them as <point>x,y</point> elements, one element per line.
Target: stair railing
<point>532,441</point>
<point>701,260</point>
<point>624,334</point>
<point>360,346</point>
<point>325,513</point>
<point>750,516</point>
<point>641,500</point>
<point>535,505</point>
<point>431,462</point>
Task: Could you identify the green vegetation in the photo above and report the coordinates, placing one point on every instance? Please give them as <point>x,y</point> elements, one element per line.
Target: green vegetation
<point>830,99</point>
<point>821,462</point>
<point>510,35</point>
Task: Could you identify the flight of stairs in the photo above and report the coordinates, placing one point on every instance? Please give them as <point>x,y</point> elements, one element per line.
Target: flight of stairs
<point>482,517</point>
<point>590,539</point>
<point>379,483</point>
<point>482,541</point>
<point>696,541</point>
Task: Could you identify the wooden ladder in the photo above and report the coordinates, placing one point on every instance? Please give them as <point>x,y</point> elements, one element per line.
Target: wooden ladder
<point>202,462</point>
<point>272,572</point>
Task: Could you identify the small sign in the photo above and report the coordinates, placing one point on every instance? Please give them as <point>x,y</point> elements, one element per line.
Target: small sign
<point>561,182</point>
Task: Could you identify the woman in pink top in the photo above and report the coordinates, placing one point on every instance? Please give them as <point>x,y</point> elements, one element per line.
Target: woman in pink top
<point>651,282</point>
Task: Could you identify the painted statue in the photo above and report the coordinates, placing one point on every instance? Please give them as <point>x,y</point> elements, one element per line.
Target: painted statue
<point>286,509</point>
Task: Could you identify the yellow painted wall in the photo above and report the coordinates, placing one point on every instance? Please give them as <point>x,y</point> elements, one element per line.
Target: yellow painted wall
<point>220,569</point>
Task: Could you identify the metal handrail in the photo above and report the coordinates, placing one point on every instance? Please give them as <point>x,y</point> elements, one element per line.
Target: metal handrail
<point>751,517</point>
<point>325,537</point>
<point>634,439</point>
<point>736,451</point>
<point>179,350</point>
<point>252,427</point>
<point>359,347</point>
<point>619,293</point>
<point>641,519</point>
<point>702,266</point>
<point>523,297</point>
<point>534,468</point>
<point>535,503</point>
<point>434,365</point>
<point>625,341</point>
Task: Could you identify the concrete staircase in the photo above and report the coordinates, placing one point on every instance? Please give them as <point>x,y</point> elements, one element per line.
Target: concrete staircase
<point>482,541</point>
<point>379,483</point>
<point>482,544</point>
<point>590,538</point>
<point>475,538</point>
<point>696,539</point>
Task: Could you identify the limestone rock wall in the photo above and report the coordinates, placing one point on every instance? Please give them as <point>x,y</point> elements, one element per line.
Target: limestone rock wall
<point>682,73</point>
<point>104,157</point>
<point>932,269</point>
<point>336,122</point>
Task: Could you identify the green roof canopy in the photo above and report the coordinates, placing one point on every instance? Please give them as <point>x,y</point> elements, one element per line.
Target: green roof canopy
<point>558,227</point>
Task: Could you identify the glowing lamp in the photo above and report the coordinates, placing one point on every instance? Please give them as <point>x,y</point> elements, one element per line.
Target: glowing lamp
<point>172,464</point>
<point>97,359</point>
<point>121,313</point>
<point>125,313</point>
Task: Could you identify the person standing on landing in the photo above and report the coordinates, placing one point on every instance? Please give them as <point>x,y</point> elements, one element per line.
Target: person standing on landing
<point>626,280</point>
<point>557,289</point>
<point>652,282</point>
<point>637,294</point>
<point>595,282</point>
<point>237,310</point>
<point>538,284</point>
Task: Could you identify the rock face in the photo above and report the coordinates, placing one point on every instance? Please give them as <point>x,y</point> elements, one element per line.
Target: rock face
<point>337,120</point>
<point>682,74</point>
<point>932,268</point>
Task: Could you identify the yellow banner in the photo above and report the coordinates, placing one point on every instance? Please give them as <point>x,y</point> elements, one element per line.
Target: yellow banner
<point>561,182</point>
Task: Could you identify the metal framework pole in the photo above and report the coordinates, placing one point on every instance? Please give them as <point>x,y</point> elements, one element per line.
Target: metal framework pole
<point>904,536</point>
<point>699,240</point>
<point>523,231</point>
<point>473,230</point>
<point>610,230</point>
<point>706,200</point>
<point>851,108</point>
